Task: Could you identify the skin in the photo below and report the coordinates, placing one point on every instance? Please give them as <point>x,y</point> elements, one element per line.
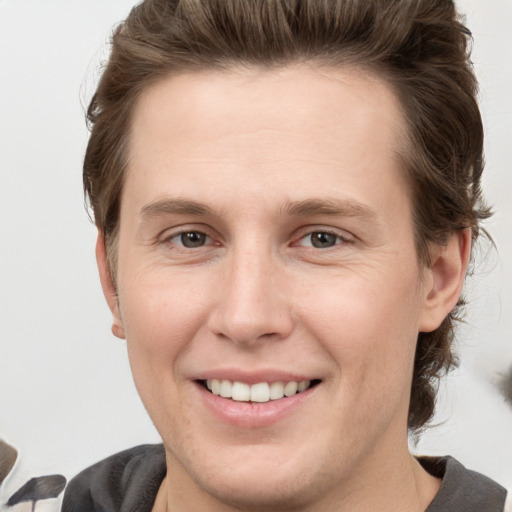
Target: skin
<point>253,148</point>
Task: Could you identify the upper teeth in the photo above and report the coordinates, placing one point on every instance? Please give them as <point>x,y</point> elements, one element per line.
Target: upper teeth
<point>260,392</point>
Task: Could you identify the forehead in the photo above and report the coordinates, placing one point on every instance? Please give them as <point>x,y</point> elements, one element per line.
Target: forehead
<point>322,97</point>
<point>255,128</point>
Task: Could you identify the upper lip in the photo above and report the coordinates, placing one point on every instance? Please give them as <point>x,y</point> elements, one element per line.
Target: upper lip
<point>253,377</point>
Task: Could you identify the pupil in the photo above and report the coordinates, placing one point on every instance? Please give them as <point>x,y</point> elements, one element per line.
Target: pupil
<point>323,240</point>
<point>193,239</point>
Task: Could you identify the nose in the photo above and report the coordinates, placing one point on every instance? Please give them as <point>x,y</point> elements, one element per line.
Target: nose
<point>252,304</point>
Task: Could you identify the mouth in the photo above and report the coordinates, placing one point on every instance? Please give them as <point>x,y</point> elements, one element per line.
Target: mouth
<point>260,392</point>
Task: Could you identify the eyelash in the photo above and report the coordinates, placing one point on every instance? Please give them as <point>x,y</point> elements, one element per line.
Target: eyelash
<point>338,239</point>
<point>181,234</point>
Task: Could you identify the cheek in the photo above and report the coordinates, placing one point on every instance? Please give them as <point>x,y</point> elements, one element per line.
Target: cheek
<point>369,327</point>
<point>160,317</point>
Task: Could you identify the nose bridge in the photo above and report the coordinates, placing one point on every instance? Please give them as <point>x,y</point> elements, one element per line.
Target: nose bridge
<point>251,304</point>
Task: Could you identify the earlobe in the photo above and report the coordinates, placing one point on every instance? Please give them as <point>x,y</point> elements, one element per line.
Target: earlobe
<point>109,289</point>
<point>445,279</point>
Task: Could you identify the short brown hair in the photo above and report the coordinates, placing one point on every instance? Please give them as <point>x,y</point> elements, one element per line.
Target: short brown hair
<point>420,47</point>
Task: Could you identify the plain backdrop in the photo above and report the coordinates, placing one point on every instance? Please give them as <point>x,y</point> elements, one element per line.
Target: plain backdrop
<point>66,394</point>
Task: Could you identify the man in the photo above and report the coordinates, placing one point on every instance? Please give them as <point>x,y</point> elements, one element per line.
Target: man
<point>286,195</point>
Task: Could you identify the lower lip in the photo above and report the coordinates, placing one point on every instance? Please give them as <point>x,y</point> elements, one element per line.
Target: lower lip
<point>253,414</point>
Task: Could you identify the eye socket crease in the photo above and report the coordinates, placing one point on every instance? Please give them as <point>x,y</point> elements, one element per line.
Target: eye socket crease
<point>318,210</point>
<point>321,237</point>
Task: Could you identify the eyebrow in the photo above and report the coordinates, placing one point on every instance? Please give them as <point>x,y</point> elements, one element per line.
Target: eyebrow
<point>305,208</point>
<point>174,207</point>
<point>330,207</point>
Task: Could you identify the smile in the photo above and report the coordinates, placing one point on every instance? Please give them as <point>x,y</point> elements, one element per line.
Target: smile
<point>259,392</point>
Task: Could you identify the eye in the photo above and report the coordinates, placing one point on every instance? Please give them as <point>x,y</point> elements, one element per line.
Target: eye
<point>190,239</point>
<point>321,240</point>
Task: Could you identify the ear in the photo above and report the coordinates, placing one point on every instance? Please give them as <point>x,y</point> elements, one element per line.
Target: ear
<point>109,289</point>
<point>444,279</point>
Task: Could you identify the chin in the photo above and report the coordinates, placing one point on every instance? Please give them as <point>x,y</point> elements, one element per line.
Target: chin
<point>254,491</point>
<point>266,480</point>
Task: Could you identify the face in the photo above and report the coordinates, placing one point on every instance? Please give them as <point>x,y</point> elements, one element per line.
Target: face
<point>266,251</point>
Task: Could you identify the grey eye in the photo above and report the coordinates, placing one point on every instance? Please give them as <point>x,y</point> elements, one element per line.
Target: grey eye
<point>192,239</point>
<point>323,240</point>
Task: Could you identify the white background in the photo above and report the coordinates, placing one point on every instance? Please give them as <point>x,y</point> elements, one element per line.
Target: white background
<point>66,394</point>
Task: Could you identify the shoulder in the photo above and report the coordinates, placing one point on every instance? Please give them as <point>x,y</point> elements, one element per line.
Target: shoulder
<point>128,481</point>
<point>462,489</point>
